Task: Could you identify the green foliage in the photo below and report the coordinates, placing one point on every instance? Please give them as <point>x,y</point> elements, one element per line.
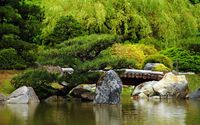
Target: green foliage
<point>195,1</point>
<point>158,58</point>
<point>136,52</point>
<point>107,60</point>
<point>24,49</point>
<point>161,67</point>
<point>10,60</point>
<point>72,52</point>
<point>20,27</point>
<point>6,87</point>
<point>193,81</point>
<point>66,27</point>
<point>8,29</point>
<point>84,54</point>
<point>186,60</point>
<point>163,20</point>
<point>40,80</point>
<point>192,44</point>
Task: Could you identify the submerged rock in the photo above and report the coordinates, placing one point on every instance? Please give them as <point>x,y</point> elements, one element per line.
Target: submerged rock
<point>84,91</point>
<point>23,95</point>
<point>55,98</point>
<point>146,88</point>
<point>195,95</point>
<point>108,89</point>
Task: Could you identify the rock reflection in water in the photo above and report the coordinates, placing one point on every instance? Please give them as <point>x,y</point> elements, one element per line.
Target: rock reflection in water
<point>108,114</point>
<point>22,111</point>
<point>156,112</point>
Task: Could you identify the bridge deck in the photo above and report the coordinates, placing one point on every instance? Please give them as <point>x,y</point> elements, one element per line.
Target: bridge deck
<point>140,74</point>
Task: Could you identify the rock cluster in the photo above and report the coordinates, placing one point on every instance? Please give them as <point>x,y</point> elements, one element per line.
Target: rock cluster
<point>170,86</point>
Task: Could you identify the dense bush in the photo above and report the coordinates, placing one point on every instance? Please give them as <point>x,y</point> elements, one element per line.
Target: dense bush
<point>186,60</point>
<point>158,58</point>
<point>192,44</point>
<point>10,60</point>
<point>39,79</point>
<point>66,27</point>
<point>136,52</point>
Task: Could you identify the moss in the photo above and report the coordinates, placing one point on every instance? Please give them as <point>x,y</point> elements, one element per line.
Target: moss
<point>161,67</point>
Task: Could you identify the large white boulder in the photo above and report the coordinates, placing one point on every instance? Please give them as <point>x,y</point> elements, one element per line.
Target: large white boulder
<point>171,85</point>
<point>23,95</point>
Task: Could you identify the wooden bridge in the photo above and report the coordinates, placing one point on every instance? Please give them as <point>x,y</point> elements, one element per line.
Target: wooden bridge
<point>135,77</point>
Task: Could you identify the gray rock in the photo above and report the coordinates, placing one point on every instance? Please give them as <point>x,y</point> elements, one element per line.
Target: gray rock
<point>85,92</point>
<point>53,99</point>
<point>23,95</point>
<point>108,89</point>
<point>195,95</point>
<point>146,88</point>
<point>172,86</point>
<point>150,66</point>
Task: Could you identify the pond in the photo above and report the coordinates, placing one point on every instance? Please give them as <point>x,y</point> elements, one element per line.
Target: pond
<point>129,112</point>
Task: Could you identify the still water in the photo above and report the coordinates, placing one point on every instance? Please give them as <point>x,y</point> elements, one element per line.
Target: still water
<point>129,112</point>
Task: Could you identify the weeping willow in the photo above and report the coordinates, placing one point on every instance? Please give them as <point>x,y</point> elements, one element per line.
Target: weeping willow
<point>162,19</point>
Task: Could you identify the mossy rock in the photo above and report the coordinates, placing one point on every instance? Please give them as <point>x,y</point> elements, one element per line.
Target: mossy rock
<point>160,67</point>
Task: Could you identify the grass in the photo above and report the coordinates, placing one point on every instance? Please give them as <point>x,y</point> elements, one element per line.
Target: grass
<point>193,82</point>
<point>5,77</point>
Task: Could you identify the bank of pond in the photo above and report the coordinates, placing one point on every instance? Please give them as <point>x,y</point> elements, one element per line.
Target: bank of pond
<point>167,101</point>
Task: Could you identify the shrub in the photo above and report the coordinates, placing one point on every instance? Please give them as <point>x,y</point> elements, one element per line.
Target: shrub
<point>161,67</point>
<point>129,51</point>
<point>158,44</point>
<point>158,58</point>
<point>186,60</point>
<point>10,60</point>
<point>136,52</point>
<point>6,88</point>
<point>40,80</point>
<point>66,27</point>
<point>192,44</point>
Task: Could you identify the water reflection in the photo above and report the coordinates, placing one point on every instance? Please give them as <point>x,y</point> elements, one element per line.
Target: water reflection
<point>130,112</point>
<point>22,111</point>
<point>108,114</point>
<point>165,112</point>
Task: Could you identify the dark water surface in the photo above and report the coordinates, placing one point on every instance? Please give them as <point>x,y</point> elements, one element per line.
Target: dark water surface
<point>129,112</point>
